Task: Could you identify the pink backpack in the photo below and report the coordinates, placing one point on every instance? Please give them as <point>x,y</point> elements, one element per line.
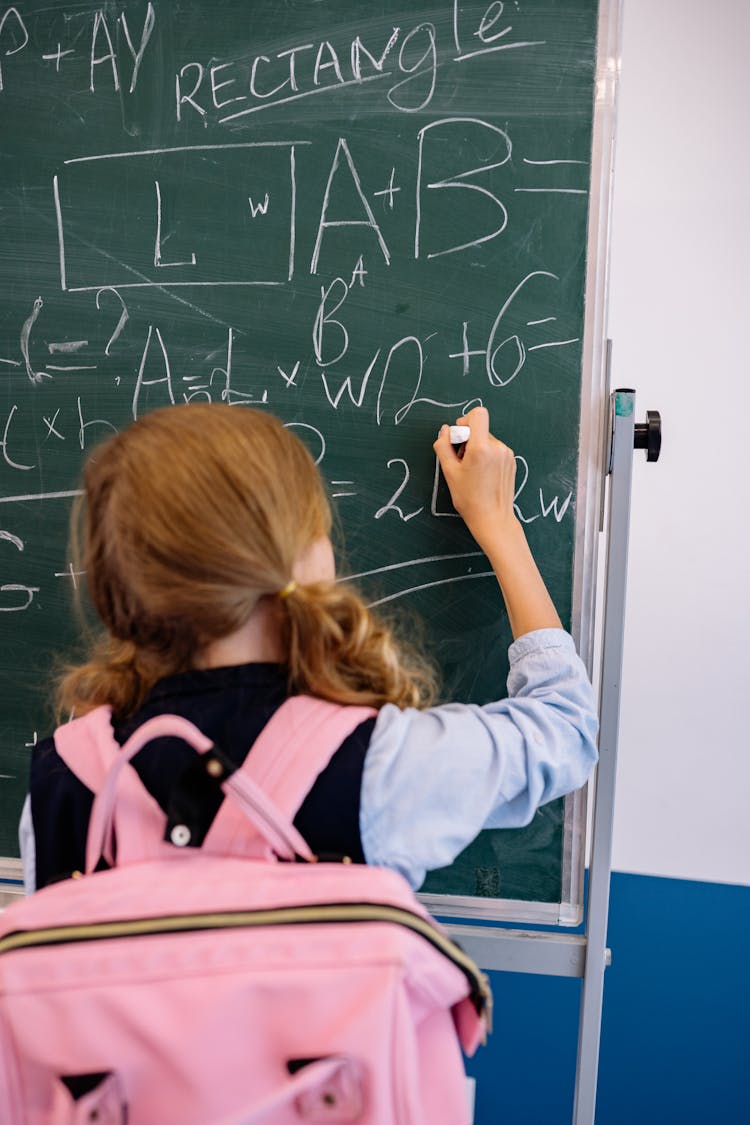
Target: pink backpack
<point>228,984</point>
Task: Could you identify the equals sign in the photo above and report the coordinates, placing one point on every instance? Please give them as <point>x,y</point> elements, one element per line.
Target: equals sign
<point>339,483</point>
<point>67,347</point>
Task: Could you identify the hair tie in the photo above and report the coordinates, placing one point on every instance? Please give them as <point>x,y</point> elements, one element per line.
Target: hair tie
<point>288,589</point>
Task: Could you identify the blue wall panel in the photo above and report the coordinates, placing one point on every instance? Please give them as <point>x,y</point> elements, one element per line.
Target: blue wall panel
<point>676,1028</point>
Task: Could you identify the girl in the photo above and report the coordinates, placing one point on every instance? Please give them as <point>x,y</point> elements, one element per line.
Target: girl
<point>208,560</point>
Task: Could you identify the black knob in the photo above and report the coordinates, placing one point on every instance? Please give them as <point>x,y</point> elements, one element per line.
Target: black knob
<point>648,435</point>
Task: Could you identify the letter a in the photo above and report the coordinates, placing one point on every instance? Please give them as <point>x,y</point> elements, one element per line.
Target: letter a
<point>359,273</point>
<point>100,20</point>
<point>370,221</point>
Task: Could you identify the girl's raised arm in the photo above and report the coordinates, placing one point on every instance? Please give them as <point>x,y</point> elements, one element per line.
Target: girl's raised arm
<point>481,476</point>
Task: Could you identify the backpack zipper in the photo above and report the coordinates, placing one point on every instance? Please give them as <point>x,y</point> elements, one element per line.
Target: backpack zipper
<point>480,993</point>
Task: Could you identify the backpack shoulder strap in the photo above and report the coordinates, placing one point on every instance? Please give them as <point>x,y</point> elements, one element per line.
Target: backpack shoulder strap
<point>90,750</point>
<point>296,745</point>
<point>88,747</point>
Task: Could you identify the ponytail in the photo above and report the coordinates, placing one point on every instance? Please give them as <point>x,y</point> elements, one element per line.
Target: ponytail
<point>339,650</point>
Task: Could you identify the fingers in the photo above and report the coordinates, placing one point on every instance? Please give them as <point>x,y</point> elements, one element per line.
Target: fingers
<point>478,420</point>
<point>479,467</point>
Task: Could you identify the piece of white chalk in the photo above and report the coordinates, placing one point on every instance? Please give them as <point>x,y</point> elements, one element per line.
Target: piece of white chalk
<point>460,434</point>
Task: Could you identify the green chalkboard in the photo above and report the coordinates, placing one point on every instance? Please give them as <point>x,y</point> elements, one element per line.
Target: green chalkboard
<point>361,216</point>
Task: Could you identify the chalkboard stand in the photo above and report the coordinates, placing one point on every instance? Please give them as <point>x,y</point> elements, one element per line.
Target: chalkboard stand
<point>586,956</point>
<point>625,436</point>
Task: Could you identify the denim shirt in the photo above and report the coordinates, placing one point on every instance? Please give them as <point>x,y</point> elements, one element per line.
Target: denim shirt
<point>408,790</point>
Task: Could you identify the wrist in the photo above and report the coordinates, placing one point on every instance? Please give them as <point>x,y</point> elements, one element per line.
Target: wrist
<point>502,537</point>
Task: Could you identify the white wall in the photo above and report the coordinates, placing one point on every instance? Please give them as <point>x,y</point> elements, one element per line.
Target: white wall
<point>679,318</point>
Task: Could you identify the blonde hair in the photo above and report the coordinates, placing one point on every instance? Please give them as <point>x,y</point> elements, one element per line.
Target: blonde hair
<point>191,516</point>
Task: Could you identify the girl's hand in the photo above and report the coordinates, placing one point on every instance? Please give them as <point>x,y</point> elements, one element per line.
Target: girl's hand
<point>481,476</point>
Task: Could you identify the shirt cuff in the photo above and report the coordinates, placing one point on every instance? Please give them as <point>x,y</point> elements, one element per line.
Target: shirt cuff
<point>28,847</point>
<point>539,641</point>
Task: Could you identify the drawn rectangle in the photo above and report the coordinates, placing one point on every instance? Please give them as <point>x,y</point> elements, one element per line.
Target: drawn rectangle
<point>128,220</point>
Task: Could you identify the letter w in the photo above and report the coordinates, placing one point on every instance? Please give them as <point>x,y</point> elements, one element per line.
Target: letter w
<point>255,208</point>
<point>558,512</point>
<point>357,400</point>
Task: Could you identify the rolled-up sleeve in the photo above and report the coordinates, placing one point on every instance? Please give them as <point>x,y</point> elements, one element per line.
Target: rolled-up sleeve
<point>433,779</point>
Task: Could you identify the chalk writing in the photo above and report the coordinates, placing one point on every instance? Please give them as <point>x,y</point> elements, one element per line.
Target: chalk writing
<point>13,36</point>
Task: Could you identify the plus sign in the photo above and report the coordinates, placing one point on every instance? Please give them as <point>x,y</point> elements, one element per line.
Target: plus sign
<point>60,54</point>
<point>74,575</point>
<point>465,352</point>
<point>390,191</point>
